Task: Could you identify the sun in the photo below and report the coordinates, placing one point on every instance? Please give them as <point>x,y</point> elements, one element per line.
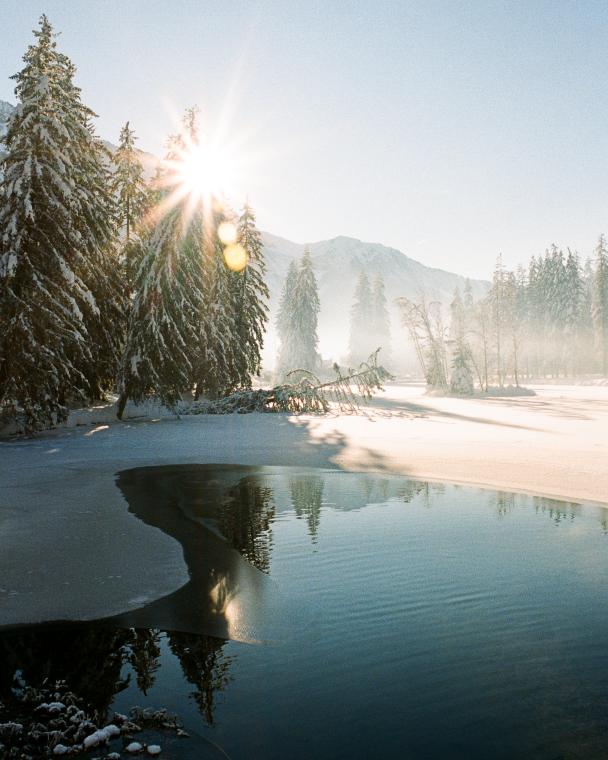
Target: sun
<point>205,171</point>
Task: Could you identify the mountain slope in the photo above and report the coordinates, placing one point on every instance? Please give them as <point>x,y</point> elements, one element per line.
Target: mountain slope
<point>338,263</point>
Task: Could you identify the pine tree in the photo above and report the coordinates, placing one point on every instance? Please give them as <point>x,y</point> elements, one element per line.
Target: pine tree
<point>163,353</point>
<point>461,380</point>
<point>573,313</point>
<point>381,329</point>
<point>251,299</point>
<point>301,330</point>
<point>163,334</point>
<point>600,302</point>
<point>95,220</point>
<point>218,349</point>
<point>131,196</point>
<point>496,299</point>
<point>56,271</point>
<point>361,322</point>
<point>283,319</point>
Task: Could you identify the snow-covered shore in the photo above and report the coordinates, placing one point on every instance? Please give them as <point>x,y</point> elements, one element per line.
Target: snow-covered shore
<point>70,548</point>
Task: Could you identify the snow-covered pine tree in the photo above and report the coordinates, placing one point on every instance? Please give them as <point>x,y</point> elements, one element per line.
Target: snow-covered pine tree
<point>218,345</point>
<point>162,355</point>
<point>131,194</point>
<point>283,318</point>
<point>362,339</point>
<point>302,327</point>
<point>496,298</point>
<point>381,325</point>
<point>250,294</point>
<point>128,182</point>
<point>537,313</point>
<point>50,319</point>
<point>512,326</point>
<point>600,302</point>
<point>587,348</point>
<point>461,379</point>
<point>95,219</point>
<point>161,348</point>
<point>573,314</point>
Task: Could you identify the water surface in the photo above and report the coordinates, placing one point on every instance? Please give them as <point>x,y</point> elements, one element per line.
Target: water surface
<point>334,614</point>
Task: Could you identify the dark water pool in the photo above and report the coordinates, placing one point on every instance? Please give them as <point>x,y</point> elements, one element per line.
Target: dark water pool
<point>340,615</point>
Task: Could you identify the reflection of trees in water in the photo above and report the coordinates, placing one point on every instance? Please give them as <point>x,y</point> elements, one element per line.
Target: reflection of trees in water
<point>144,656</point>
<point>92,659</point>
<point>375,489</point>
<point>245,515</point>
<point>557,511</point>
<point>504,502</point>
<point>204,665</point>
<point>410,489</point>
<point>307,492</point>
<point>307,500</point>
<point>89,659</point>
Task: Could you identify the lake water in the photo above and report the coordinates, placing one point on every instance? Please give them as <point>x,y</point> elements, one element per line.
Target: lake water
<point>344,615</point>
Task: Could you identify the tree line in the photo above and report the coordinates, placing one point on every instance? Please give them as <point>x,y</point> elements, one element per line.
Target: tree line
<point>546,320</point>
<point>109,283</point>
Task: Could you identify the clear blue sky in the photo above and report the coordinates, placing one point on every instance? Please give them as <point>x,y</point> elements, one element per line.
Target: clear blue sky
<point>451,130</point>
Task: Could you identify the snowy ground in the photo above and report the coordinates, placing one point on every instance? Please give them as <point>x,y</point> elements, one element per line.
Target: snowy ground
<point>70,549</point>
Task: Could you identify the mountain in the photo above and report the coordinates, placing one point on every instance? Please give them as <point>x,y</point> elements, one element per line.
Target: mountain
<point>337,264</point>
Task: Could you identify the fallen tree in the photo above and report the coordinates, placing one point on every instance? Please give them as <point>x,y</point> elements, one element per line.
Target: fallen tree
<point>304,392</point>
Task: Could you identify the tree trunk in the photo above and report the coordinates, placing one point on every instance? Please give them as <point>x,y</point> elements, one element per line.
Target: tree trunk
<point>122,402</point>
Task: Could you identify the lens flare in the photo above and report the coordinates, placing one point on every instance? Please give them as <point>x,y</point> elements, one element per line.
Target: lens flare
<point>227,233</point>
<point>235,257</point>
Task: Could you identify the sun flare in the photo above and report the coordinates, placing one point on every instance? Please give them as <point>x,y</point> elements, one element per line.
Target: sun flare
<point>205,171</point>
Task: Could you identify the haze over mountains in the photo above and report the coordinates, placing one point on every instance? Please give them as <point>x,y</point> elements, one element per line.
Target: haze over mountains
<point>338,263</point>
